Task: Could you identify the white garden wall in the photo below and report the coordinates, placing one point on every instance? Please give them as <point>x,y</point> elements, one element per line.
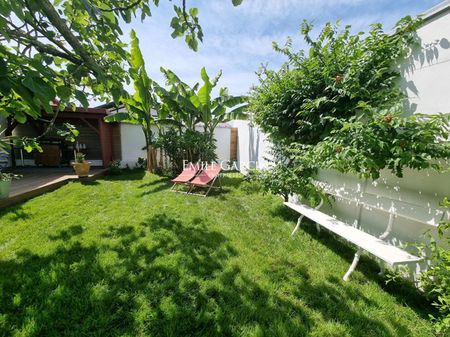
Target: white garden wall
<point>426,74</point>
<point>426,81</point>
<point>253,146</point>
<point>132,144</point>
<point>133,141</point>
<point>416,196</point>
<point>222,136</point>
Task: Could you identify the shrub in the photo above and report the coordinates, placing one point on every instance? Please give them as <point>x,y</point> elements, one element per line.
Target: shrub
<point>192,146</point>
<point>287,177</point>
<point>338,105</point>
<point>114,167</point>
<point>436,280</point>
<point>6,176</point>
<point>80,157</point>
<point>141,163</point>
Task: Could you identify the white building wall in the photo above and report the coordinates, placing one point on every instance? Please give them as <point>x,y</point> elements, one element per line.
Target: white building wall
<point>222,135</point>
<point>426,74</point>
<point>132,144</point>
<point>253,146</point>
<point>425,80</point>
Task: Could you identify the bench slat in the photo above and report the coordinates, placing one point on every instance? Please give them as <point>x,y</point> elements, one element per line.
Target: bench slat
<point>377,247</point>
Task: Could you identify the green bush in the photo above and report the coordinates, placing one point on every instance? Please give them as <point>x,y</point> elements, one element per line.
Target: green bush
<point>287,178</point>
<point>436,280</point>
<point>338,105</point>
<point>187,145</point>
<point>141,163</point>
<point>114,168</point>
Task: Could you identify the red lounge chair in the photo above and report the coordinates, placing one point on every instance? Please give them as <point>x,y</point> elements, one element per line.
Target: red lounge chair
<point>189,172</point>
<point>206,178</point>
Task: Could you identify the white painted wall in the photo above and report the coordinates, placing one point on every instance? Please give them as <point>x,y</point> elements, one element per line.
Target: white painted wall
<point>426,81</point>
<point>222,135</point>
<point>133,140</point>
<point>253,146</point>
<point>426,74</point>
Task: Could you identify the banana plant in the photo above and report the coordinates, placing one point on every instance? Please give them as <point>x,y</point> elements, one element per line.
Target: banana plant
<point>139,107</point>
<point>193,105</point>
<point>175,102</point>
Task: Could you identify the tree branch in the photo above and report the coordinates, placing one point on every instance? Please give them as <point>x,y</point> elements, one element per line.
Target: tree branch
<point>71,39</point>
<point>124,8</point>
<point>42,47</point>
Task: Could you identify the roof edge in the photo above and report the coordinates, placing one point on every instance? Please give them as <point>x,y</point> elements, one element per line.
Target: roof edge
<point>435,11</point>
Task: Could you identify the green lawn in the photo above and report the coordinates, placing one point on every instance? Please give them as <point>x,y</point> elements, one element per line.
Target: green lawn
<point>123,256</point>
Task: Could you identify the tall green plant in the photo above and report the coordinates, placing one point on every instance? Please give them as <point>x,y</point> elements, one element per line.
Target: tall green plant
<point>336,104</point>
<point>139,107</point>
<point>436,280</point>
<point>196,104</point>
<point>188,146</point>
<point>69,50</point>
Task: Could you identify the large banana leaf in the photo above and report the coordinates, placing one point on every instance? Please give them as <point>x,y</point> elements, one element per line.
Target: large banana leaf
<point>204,93</point>
<point>191,105</point>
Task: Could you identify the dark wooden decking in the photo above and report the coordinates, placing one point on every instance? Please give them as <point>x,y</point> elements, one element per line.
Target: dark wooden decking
<point>37,181</point>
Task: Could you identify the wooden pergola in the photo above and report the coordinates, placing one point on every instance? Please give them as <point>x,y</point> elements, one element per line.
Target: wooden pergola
<point>91,117</point>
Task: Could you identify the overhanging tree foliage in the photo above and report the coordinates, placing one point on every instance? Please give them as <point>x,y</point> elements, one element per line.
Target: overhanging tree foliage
<point>69,49</point>
<point>336,105</point>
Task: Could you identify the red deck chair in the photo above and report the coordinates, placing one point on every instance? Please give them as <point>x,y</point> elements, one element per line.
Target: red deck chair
<point>206,179</point>
<point>189,172</point>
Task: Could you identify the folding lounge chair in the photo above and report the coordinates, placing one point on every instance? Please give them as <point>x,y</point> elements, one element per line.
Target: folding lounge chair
<point>188,174</point>
<point>206,179</point>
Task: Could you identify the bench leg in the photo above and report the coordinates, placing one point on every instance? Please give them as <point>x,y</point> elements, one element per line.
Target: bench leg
<point>382,270</point>
<point>318,207</point>
<point>299,221</point>
<point>353,265</point>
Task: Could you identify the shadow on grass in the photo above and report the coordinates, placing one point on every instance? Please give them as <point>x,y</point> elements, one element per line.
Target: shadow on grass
<point>16,211</point>
<point>284,213</point>
<point>157,181</point>
<point>88,182</point>
<point>68,233</point>
<point>335,300</point>
<point>162,278</point>
<point>125,174</point>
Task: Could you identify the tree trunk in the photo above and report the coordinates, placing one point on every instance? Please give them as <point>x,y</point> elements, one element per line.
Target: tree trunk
<point>150,166</point>
<point>161,158</point>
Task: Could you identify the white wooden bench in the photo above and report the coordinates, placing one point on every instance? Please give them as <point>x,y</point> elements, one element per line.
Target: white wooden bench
<point>376,246</point>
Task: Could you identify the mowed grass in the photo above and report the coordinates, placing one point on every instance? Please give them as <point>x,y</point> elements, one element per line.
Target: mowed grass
<point>123,256</point>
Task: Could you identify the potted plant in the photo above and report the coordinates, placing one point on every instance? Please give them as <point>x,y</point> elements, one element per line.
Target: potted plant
<point>81,165</point>
<point>5,183</point>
